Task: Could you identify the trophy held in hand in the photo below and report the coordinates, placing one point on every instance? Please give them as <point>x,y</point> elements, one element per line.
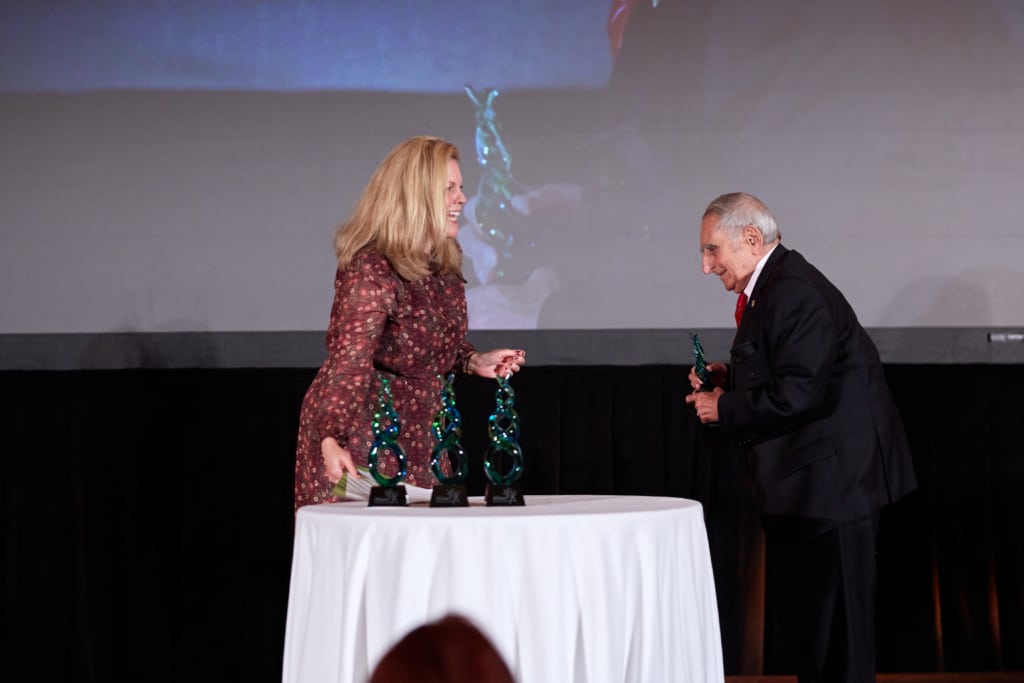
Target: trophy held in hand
<point>700,368</point>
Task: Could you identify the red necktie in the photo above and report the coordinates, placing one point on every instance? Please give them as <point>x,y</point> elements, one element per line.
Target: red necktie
<point>741,303</point>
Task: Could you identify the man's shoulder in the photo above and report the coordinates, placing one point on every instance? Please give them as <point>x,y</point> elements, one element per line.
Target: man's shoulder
<point>793,264</point>
<point>796,281</point>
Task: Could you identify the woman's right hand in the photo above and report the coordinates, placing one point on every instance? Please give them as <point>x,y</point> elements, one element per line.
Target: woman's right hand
<point>496,362</point>
<point>337,460</point>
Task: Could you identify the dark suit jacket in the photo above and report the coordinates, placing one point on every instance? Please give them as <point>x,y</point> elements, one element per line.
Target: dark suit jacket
<point>808,396</point>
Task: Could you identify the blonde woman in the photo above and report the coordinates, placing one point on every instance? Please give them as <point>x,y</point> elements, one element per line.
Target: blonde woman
<point>399,312</point>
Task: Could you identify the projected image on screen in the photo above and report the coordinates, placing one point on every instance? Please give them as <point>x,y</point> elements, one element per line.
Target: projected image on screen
<point>399,45</point>
<point>183,165</point>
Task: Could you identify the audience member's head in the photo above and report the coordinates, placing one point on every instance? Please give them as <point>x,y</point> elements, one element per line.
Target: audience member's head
<point>451,650</point>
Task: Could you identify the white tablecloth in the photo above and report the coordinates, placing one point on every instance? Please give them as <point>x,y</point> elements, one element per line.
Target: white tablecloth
<point>569,588</point>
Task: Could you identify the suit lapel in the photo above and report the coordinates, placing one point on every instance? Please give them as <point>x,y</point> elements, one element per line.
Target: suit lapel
<point>744,345</point>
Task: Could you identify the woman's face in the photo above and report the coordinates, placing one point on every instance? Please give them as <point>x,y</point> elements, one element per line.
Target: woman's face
<point>453,198</point>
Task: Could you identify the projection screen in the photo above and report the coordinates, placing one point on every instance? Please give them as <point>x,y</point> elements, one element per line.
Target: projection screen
<point>181,166</point>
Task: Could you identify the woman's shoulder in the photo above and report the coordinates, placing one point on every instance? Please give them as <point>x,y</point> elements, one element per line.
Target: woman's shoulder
<point>371,262</point>
<point>368,276</point>
<point>369,270</point>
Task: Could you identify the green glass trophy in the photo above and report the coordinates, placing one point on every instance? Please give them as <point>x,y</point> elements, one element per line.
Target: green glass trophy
<point>386,429</point>
<point>503,429</point>
<point>450,491</point>
<point>700,368</point>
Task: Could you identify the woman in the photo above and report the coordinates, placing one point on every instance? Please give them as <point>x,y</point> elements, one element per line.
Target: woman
<point>399,312</point>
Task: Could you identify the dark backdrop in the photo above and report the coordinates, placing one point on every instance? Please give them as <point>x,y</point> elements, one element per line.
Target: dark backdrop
<point>147,514</point>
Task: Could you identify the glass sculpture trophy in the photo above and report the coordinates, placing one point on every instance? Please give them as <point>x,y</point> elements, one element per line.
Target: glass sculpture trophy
<point>450,491</point>
<point>700,368</point>
<point>386,429</point>
<point>503,430</point>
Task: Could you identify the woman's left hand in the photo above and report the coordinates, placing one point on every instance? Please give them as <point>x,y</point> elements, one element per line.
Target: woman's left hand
<point>496,362</point>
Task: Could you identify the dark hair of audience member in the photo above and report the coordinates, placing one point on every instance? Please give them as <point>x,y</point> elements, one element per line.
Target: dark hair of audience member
<point>451,650</point>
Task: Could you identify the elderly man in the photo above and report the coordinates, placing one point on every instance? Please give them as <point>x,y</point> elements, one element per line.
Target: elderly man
<point>805,394</point>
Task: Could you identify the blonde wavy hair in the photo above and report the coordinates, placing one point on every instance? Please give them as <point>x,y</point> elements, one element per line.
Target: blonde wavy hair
<point>402,212</point>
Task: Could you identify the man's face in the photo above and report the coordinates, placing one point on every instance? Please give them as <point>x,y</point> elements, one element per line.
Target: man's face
<point>732,264</point>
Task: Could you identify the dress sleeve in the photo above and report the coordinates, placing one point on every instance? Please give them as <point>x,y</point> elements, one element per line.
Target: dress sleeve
<point>462,357</point>
<point>364,295</point>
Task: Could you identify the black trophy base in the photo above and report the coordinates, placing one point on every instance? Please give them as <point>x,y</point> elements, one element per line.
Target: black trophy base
<point>504,494</point>
<point>449,496</point>
<point>387,496</point>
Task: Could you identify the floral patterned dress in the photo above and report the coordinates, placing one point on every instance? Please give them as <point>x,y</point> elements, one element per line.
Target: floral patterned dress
<point>410,332</point>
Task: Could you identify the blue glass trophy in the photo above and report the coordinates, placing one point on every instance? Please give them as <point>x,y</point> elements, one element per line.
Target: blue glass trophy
<point>386,429</point>
<point>450,491</point>
<point>503,429</point>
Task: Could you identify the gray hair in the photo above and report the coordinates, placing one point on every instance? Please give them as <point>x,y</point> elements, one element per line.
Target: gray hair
<point>737,210</point>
